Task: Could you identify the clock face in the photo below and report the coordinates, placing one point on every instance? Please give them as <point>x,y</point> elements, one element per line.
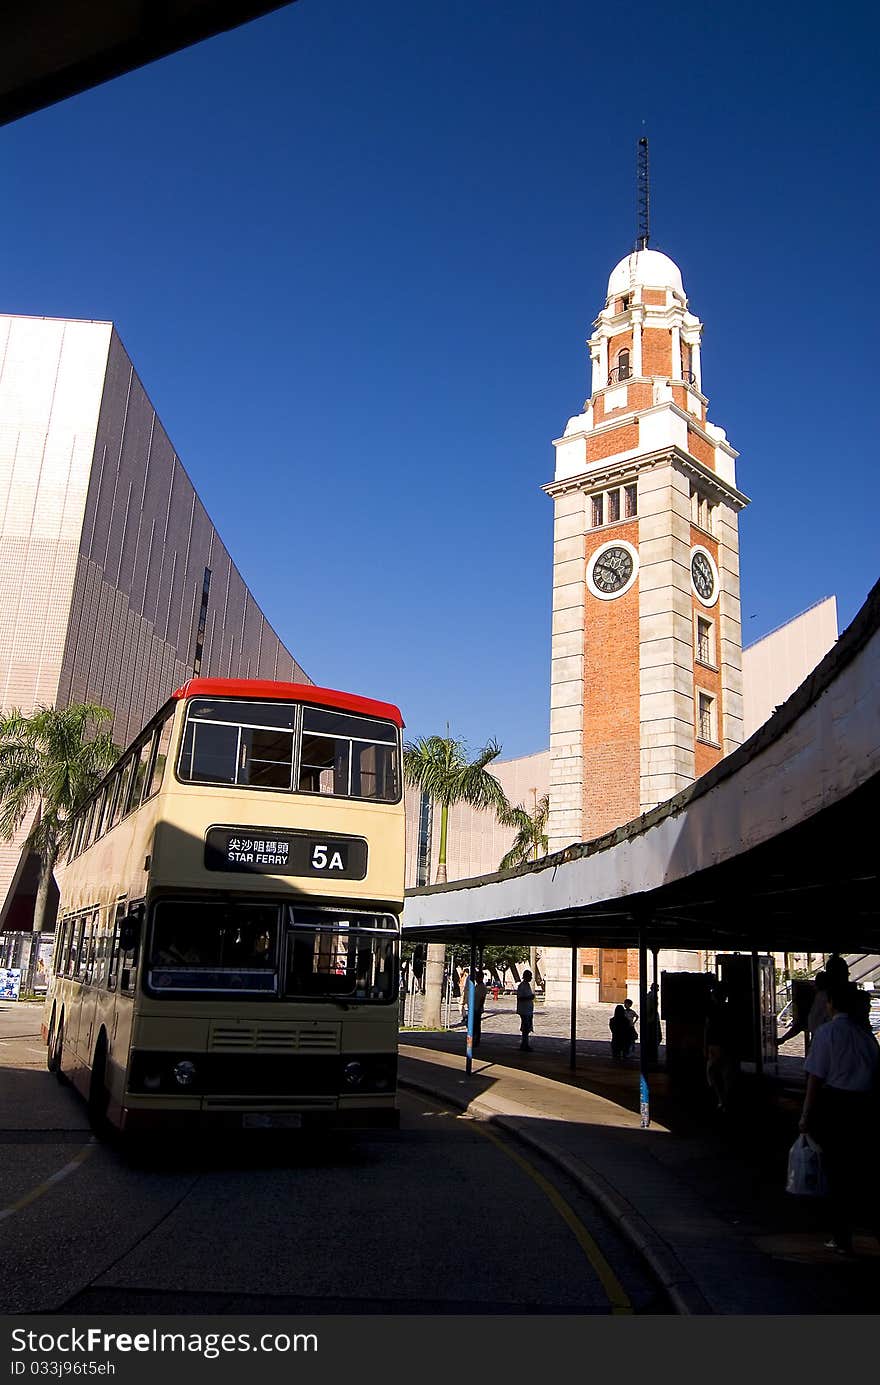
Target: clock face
<point>703,575</point>
<point>612,570</point>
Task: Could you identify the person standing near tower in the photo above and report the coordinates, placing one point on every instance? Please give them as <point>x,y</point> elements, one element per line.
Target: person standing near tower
<point>525,1008</point>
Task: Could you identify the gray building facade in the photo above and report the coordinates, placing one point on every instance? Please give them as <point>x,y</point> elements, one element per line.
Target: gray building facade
<point>114,584</point>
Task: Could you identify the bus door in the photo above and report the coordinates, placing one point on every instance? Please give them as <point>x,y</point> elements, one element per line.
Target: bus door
<point>122,970</point>
<point>99,1011</point>
<point>77,997</point>
<point>87,975</point>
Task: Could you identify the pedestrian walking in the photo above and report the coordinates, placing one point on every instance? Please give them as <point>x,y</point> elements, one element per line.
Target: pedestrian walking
<point>621,1033</point>
<point>632,1016</point>
<point>525,1008</point>
<point>479,1003</point>
<point>841,1113</point>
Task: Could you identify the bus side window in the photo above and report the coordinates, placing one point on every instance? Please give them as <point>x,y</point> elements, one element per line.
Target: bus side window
<point>139,774</point>
<point>113,968</point>
<point>129,946</point>
<point>87,951</point>
<point>67,942</point>
<point>101,948</point>
<point>76,947</point>
<point>60,938</point>
<point>101,814</point>
<point>159,756</point>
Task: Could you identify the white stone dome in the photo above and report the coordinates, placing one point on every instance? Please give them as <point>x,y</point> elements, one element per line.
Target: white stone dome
<point>648,268</point>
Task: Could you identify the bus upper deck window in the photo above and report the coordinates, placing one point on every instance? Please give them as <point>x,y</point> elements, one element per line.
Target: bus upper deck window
<point>348,755</point>
<point>238,743</point>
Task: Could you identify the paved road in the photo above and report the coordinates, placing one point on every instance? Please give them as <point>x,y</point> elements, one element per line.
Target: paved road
<point>441,1217</point>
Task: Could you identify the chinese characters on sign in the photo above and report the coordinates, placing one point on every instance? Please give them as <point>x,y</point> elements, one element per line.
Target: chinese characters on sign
<point>294,853</point>
<point>257,851</point>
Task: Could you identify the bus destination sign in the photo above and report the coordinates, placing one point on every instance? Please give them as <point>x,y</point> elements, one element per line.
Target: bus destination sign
<point>268,851</point>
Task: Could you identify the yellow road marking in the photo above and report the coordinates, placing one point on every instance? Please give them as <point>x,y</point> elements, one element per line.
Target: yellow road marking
<point>49,1183</point>
<point>614,1290</point>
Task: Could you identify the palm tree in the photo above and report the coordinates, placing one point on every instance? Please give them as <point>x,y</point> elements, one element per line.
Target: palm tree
<point>49,763</point>
<point>440,767</point>
<point>530,842</point>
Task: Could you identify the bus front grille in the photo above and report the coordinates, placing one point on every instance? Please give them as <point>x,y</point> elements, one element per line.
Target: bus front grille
<point>274,1038</point>
<point>268,1103</point>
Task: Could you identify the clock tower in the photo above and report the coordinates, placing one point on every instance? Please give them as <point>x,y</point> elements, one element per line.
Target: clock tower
<point>646,691</point>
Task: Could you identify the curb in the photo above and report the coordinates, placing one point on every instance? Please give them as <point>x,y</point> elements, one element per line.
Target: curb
<point>684,1295</point>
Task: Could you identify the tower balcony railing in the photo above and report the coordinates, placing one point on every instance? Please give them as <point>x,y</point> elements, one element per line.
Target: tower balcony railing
<point>625,372</point>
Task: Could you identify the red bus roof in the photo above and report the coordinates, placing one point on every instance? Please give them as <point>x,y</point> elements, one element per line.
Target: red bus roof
<point>265,690</point>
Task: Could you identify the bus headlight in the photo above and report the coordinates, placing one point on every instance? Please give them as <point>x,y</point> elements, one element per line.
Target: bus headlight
<point>353,1074</point>
<point>184,1073</point>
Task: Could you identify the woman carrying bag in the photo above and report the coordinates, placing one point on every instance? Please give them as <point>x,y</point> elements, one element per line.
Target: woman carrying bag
<point>841,1114</point>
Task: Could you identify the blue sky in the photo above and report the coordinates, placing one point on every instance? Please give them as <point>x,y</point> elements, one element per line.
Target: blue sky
<point>355,250</point>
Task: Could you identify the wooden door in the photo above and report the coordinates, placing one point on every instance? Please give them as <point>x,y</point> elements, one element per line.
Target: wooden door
<point>612,975</point>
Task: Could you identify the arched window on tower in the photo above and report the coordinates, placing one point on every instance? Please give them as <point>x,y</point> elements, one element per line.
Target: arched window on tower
<point>687,363</point>
<point>621,369</point>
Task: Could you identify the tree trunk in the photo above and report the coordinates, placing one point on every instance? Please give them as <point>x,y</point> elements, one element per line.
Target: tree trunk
<point>41,905</point>
<point>436,959</point>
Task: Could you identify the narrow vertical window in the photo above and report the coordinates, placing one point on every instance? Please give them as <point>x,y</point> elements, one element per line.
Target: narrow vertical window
<point>706,717</point>
<point>623,370</point>
<point>598,511</point>
<point>613,506</point>
<point>704,641</point>
<point>630,501</point>
<point>203,620</point>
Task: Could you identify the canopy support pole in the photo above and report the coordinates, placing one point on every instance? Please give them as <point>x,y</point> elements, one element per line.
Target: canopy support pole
<point>469,1050</point>
<point>572,1041</point>
<point>647,1028</point>
<point>757,1017</point>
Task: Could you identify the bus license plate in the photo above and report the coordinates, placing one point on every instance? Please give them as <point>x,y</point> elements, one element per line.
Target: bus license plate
<point>277,1120</point>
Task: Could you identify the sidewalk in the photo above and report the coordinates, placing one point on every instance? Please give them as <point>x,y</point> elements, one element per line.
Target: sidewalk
<point>701,1196</point>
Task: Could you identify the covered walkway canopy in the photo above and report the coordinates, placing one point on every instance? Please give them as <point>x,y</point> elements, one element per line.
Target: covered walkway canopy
<point>775,849</point>
<point>52,49</point>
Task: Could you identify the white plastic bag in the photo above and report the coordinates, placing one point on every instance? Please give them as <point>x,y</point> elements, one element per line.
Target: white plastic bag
<point>806,1177</point>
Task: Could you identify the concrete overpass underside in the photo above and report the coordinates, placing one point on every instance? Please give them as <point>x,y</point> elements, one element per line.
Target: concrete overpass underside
<point>52,49</point>
<point>776,849</point>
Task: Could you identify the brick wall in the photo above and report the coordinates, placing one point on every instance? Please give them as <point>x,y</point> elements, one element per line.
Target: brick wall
<point>611,700</point>
<point>701,449</point>
<point>621,439</point>
<point>707,679</point>
<point>657,351</point>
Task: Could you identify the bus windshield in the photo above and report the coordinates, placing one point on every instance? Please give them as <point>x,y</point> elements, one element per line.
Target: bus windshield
<point>274,745</point>
<point>203,946</point>
<point>210,946</point>
<point>344,956</point>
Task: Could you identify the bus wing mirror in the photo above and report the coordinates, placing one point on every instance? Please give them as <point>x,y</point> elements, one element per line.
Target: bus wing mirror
<point>130,932</point>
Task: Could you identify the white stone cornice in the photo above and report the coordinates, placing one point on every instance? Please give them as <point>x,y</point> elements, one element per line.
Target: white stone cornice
<point>698,428</point>
<point>608,424</point>
<point>710,480</point>
<point>609,472</point>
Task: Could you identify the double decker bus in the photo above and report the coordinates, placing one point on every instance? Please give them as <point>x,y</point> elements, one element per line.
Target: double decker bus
<point>228,939</point>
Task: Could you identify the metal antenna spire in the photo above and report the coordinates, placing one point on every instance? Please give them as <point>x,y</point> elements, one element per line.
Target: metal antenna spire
<point>643,185</point>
